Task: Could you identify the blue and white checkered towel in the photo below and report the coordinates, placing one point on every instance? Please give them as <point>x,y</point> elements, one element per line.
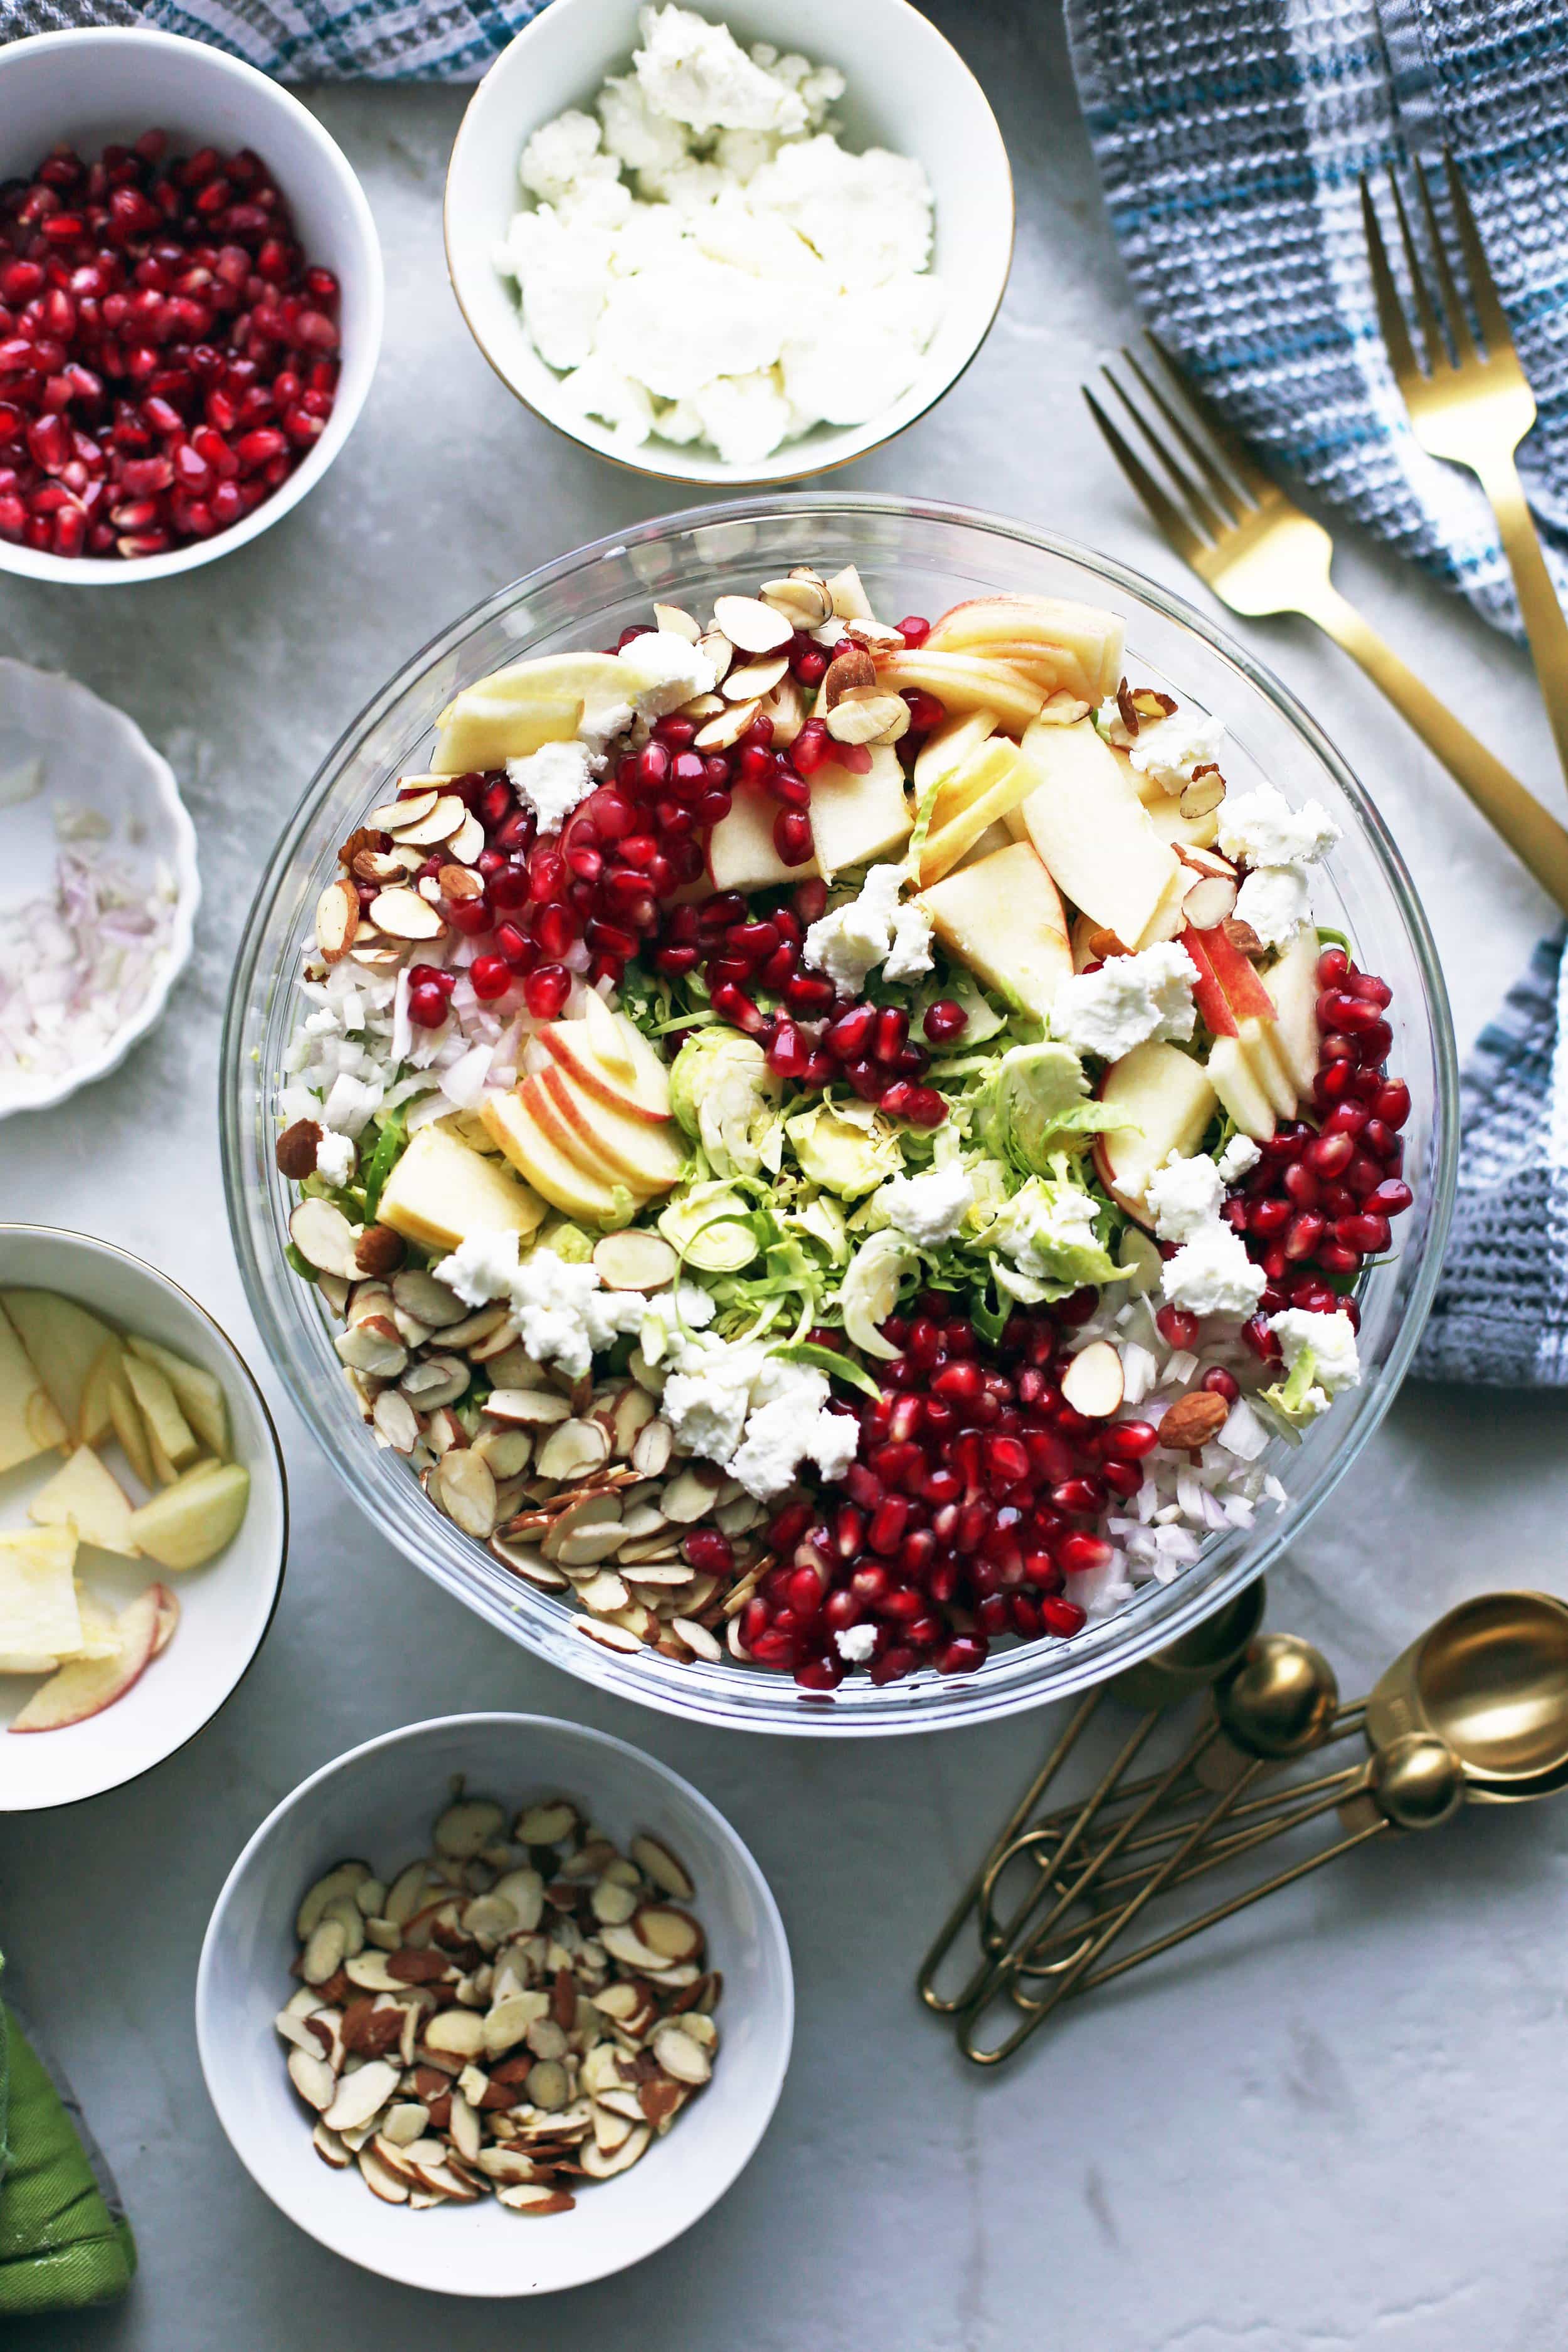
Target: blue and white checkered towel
<point>1232,136</point>
<point>311,40</point>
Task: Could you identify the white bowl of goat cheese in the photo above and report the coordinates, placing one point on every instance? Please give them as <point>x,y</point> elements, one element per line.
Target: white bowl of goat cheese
<point>745,247</point>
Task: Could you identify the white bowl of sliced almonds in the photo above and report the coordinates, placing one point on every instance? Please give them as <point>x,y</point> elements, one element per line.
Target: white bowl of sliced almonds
<point>143,1517</point>
<point>494,2005</point>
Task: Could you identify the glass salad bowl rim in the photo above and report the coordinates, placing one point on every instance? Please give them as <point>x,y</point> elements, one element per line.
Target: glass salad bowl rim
<point>727,1696</point>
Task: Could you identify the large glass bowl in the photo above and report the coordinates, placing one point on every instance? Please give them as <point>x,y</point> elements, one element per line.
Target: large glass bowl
<point>913,557</point>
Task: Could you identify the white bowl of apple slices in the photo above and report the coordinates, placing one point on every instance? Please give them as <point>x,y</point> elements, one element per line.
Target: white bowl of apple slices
<point>143,1517</point>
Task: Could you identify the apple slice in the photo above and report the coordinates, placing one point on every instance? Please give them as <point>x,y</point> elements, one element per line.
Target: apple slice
<point>442,1190</point>
<point>608,1038</point>
<point>1002,917</point>
<point>98,1639</point>
<point>65,1342</point>
<point>947,747</point>
<point>168,1619</point>
<point>191,1522</point>
<point>168,1431</point>
<point>1292,982</point>
<point>1236,1083</point>
<point>1092,831</point>
<point>1070,647</point>
<point>558,1180</point>
<point>30,1422</point>
<point>1167,1101</point>
<point>87,1685</point>
<point>740,853</point>
<point>479,730</point>
<point>625,1150</point>
<point>97,1419</point>
<point>855,818</point>
<point>128,1425</point>
<point>1214,1005</point>
<point>995,837</point>
<point>86,1497</point>
<point>1259,1043</point>
<point>641,1093</point>
<point>990,784</point>
<point>965,682</point>
<point>1244,992</point>
<point>199,1393</point>
<point>39,1619</point>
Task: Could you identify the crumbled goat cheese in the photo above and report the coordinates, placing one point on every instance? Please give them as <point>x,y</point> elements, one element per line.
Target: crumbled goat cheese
<point>1129,1001</point>
<point>1261,828</point>
<point>930,1208</point>
<point>706,1401</point>
<point>562,1313</point>
<point>552,781</point>
<point>1238,1158</point>
<point>910,954</point>
<point>697,73</point>
<point>1170,749</point>
<point>791,1427</point>
<point>1276,900</point>
<point>854,1644</point>
<point>847,942</point>
<point>747,278</point>
<point>1183,1197</point>
<point>665,671</point>
<point>335,1158</point>
<point>1336,1364</point>
<point>483,1266</point>
<point>1211,1275</point>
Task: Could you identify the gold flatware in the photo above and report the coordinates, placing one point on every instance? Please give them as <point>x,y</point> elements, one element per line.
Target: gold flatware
<point>1490,1678</point>
<point>1173,1673</point>
<point>1260,555</point>
<point>1472,405</point>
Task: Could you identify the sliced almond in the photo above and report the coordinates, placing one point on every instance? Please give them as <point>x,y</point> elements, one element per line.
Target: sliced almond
<point>598,2166</point>
<point>587,1547</point>
<point>607,1636</point>
<point>465,1488</point>
<point>456,2033</point>
<point>407,809</point>
<point>436,1381</point>
<point>1208,902</point>
<point>624,1943</point>
<point>867,718</point>
<point>689,1496</point>
<point>1092,1383</point>
<point>524,1563</point>
<point>753,679</point>
<point>509,1452</point>
<point>674,623</point>
<point>381,2180</point>
<point>803,599</point>
<point>324,1950</point>
<point>342,1879</point>
<point>631,1260</point>
<point>466,844</point>
<point>370,1973</point>
<point>337,919</point>
<point>313,2078</point>
<point>528,1408</point>
<point>1202,793</point>
<point>396,1420</point>
<point>719,734</point>
<point>573,1450</point>
<point>666,1869</point>
<point>651,1448</point>
<point>546,1824</point>
<point>672,1935</point>
<point>372,1346</point>
<point>329,2148</point>
<point>325,1237</point>
<point>753,626</point>
<point>538,2201</point>
<point>547,2085</point>
<point>845,674</point>
<point>629,1416</point>
<point>402,914</point>
<point>362,2095</point>
<point>679,2056</point>
<point>416,1290</point>
<point>438,822</point>
<point>719,650</point>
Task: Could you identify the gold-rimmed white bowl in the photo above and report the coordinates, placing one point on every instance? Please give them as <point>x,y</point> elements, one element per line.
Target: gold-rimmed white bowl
<point>225,1606</point>
<point>907,89</point>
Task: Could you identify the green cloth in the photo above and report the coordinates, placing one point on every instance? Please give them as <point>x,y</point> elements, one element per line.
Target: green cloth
<point>64,2243</point>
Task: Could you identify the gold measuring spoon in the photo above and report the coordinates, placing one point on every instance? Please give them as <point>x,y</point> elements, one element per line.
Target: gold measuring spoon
<point>1174,1672</point>
<point>1490,1678</point>
<point>1280,1701</point>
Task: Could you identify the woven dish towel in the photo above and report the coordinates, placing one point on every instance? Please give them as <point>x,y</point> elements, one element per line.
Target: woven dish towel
<point>1232,136</point>
<point>311,40</point>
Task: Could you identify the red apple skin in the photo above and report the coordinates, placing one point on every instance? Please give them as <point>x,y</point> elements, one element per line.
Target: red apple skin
<point>1210,998</point>
<point>545,1115</point>
<point>560,1111</point>
<point>1244,992</point>
<point>141,1620</point>
<point>593,1078</point>
<point>1102,1167</point>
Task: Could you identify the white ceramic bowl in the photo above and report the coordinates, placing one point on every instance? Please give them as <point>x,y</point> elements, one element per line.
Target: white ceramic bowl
<point>379,1801</point>
<point>226,1608</point>
<point>104,83</point>
<point>92,758</point>
<point>908,88</point>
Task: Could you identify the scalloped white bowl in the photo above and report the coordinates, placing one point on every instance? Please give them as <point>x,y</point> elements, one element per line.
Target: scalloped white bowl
<point>94,758</point>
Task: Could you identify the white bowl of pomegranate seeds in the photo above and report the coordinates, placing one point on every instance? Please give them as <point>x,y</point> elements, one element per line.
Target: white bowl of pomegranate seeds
<point>190,304</point>
<point>637,1079</point>
<point>378,1810</point>
<point>787,333</point>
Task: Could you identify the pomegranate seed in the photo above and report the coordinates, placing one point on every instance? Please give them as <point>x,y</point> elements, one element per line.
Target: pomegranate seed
<point>944,1021</point>
<point>1176,1326</point>
<point>1391,1103</point>
<point>1333,964</point>
<point>426,1005</point>
<point>545,990</point>
<point>1131,1441</point>
<point>792,837</point>
<point>491,976</point>
<point>1065,1617</point>
<point>1330,1155</point>
<point>1221,1383</point>
<point>1391,1198</point>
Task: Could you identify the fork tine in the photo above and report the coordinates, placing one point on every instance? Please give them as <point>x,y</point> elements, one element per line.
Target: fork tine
<point>1177,529</point>
<point>1453,303</point>
<point>1390,310</point>
<point>1432,333</point>
<point>1208,520</point>
<point>1228,496</point>
<point>1483,286</point>
<point>1228,442</point>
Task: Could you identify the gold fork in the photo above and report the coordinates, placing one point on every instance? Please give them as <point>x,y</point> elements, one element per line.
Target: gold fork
<point>1260,555</point>
<point>1473,408</point>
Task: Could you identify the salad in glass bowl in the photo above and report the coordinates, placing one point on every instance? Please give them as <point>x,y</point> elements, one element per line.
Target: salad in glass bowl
<point>833,1141</point>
